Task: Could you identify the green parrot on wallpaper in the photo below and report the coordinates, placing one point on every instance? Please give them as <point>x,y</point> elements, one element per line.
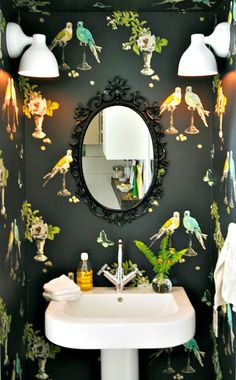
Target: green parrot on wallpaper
<point>85,37</point>
<point>193,227</point>
<point>194,103</point>
<point>192,346</point>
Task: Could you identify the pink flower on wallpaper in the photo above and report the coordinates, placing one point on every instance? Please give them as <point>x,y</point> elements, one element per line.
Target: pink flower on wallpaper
<point>37,105</point>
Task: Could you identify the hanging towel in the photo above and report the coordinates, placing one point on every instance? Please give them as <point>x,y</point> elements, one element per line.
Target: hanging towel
<point>225,275</point>
<point>61,288</point>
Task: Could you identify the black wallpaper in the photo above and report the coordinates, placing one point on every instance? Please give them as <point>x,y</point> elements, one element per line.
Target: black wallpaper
<point>184,188</point>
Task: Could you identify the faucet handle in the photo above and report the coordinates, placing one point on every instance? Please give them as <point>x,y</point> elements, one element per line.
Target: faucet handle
<point>102,269</point>
<point>137,270</point>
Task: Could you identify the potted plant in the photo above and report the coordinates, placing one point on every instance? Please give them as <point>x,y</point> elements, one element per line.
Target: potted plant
<point>38,348</point>
<point>36,229</point>
<point>161,262</point>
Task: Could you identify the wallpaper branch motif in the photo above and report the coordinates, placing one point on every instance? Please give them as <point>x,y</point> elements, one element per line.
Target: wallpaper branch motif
<point>32,5</point>
<point>141,39</point>
<point>5,324</point>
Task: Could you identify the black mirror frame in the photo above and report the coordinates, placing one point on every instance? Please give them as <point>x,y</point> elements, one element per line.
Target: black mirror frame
<point>117,92</point>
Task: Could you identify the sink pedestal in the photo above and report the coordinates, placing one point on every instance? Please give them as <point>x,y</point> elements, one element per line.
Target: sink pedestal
<point>119,364</point>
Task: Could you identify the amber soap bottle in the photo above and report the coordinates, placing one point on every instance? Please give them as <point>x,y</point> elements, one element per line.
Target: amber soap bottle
<point>84,275</point>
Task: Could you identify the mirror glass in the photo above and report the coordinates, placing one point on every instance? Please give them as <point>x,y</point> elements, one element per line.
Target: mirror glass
<point>117,159</point>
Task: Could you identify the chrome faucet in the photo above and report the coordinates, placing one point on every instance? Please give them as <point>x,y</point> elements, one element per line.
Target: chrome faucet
<point>119,279</point>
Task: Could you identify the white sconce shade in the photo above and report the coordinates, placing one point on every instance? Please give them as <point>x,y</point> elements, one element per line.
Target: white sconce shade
<point>37,61</point>
<point>198,60</point>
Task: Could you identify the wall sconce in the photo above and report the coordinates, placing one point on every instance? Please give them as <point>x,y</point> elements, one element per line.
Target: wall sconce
<point>198,60</point>
<point>38,60</point>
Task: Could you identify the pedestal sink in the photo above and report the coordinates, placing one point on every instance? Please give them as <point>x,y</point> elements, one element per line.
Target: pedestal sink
<point>121,323</point>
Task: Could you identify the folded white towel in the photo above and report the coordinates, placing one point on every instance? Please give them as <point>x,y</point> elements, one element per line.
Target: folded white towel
<point>60,284</point>
<point>61,288</point>
<point>69,297</point>
<point>225,274</point>
<point>64,292</point>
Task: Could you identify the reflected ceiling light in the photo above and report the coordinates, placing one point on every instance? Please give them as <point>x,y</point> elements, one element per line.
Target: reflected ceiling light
<point>38,60</point>
<point>198,60</point>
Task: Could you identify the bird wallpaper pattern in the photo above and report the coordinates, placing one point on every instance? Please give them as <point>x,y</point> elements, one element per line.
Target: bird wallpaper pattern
<point>93,42</point>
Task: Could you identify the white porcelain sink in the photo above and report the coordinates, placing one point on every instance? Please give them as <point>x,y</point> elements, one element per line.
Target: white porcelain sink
<point>136,318</point>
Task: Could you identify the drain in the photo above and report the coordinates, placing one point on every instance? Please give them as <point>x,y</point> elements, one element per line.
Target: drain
<point>120,299</point>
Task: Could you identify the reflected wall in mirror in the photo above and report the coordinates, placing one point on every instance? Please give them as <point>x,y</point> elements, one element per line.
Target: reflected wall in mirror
<point>118,157</point>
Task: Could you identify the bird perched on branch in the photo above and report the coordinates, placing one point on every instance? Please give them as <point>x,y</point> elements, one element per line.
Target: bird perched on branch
<point>194,103</point>
<point>170,104</point>
<point>192,346</point>
<point>168,227</point>
<point>61,167</point>
<point>61,40</point>
<point>193,227</point>
<point>63,37</point>
<point>85,37</point>
<point>172,101</point>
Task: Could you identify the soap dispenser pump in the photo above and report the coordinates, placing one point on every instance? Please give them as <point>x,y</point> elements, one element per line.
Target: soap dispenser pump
<point>84,275</point>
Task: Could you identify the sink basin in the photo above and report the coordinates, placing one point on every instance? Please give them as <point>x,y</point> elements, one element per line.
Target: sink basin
<point>103,318</point>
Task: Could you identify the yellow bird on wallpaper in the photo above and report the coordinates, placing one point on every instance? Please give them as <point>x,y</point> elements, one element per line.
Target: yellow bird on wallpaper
<point>168,227</point>
<point>61,40</point>
<point>170,104</point>
<point>172,101</point>
<point>61,167</point>
<point>194,104</point>
<point>63,37</point>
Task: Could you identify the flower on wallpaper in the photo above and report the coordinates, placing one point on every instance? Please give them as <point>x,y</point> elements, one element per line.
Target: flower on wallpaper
<point>37,105</point>
<point>39,230</point>
<point>147,42</point>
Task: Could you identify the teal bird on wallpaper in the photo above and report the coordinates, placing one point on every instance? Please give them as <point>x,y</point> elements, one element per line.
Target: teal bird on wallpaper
<point>194,103</point>
<point>63,37</point>
<point>234,10</point>
<point>85,37</point>
<point>232,179</point>
<point>192,346</point>
<point>193,227</point>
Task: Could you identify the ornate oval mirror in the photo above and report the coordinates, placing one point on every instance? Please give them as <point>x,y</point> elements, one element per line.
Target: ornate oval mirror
<point>118,158</point>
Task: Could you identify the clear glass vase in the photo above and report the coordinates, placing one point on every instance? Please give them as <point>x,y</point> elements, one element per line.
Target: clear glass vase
<point>161,284</point>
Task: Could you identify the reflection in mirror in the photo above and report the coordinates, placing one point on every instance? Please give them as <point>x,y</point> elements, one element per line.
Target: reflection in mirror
<point>117,158</point>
